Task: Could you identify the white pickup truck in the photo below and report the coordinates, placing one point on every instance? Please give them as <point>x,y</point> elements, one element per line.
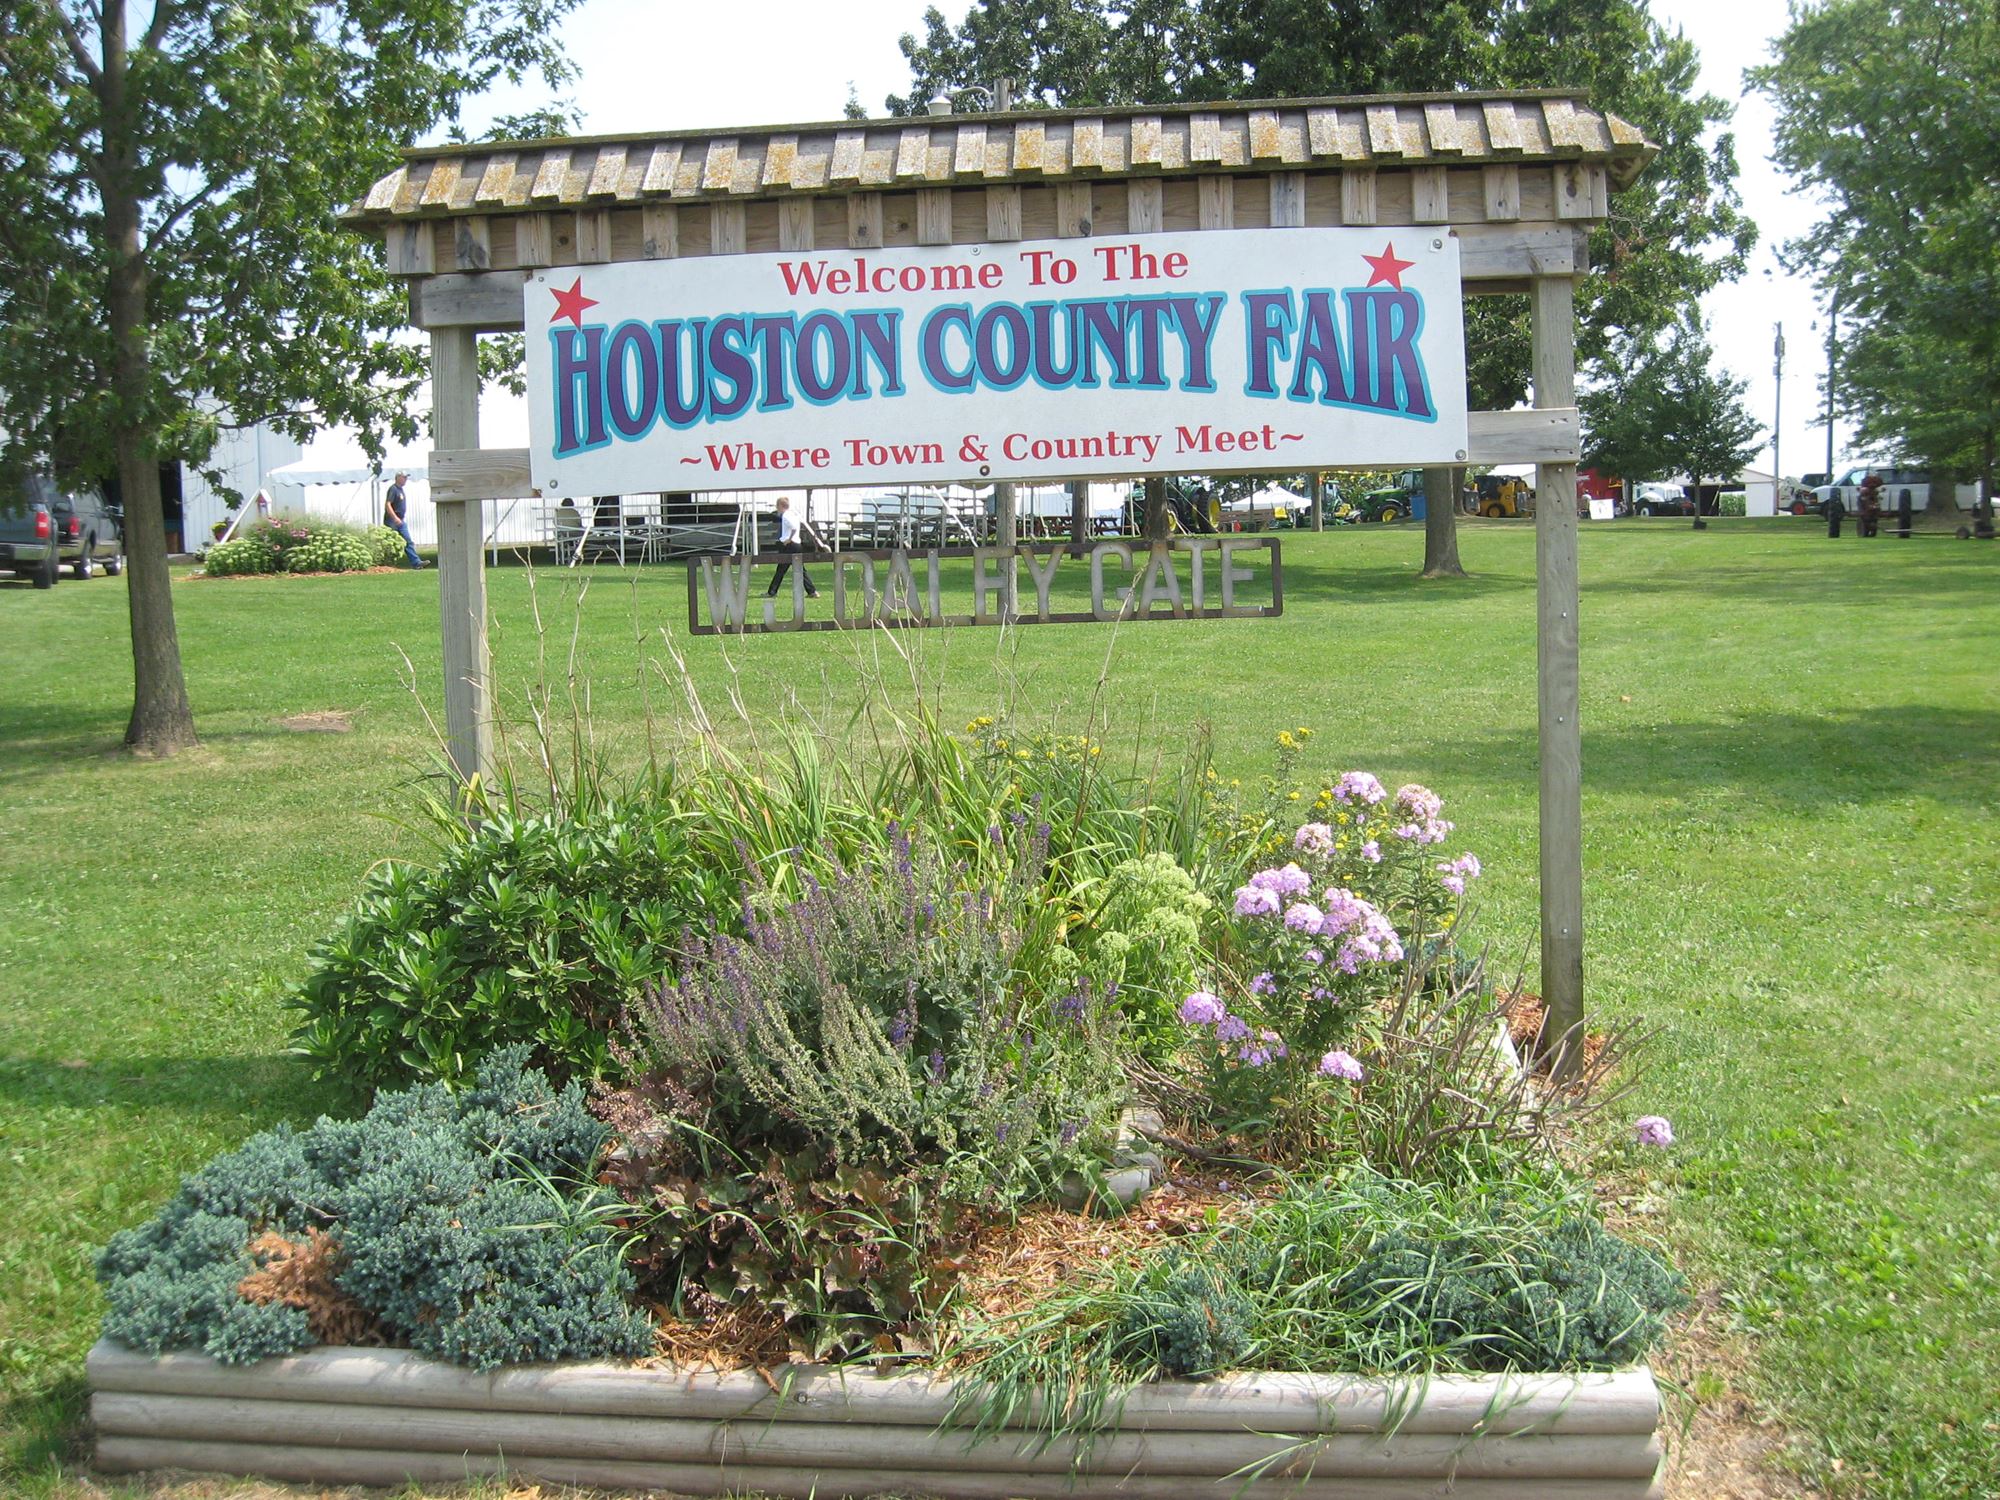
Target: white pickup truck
<point>1894,481</point>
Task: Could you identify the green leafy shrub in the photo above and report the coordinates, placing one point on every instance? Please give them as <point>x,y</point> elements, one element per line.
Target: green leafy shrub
<point>1145,937</point>
<point>237,556</point>
<point>385,546</point>
<point>331,552</point>
<point>533,930</point>
<point>301,544</point>
<point>466,1223</point>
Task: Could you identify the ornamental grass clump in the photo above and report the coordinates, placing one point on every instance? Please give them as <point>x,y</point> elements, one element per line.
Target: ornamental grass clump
<point>1356,1274</point>
<point>465,1225</point>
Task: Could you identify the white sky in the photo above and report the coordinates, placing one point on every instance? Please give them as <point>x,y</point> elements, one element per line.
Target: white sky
<point>663,65</point>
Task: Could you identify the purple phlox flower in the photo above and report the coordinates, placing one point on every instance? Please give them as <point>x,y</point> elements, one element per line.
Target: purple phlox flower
<point>1366,935</point>
<point>1315,839</point>
<point>1231,1028</point>
<point>1457,871</point>
<point>1286,880</point>
<point>1372,852</point>
<point>1278,1048</point>
<point>1454,883</point>
<point>1338,1064</point>
<point>1320,994</point>
<point>1255,1054</point>
<point>1203,1009</point>
<point>1264,984</point>
<point>1314,955</point>
<point>1358,786</point>
<point>1422,808</point>
<point>1302,916</point>
<point>1653,1130</point>
<point>1255,901</point>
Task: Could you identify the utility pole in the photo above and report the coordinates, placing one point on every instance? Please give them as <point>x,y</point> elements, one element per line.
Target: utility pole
<point>1778,423</point>
<point>1832,322</point>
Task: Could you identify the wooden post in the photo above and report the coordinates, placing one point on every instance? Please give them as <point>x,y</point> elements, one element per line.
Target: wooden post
<point>1006,529</point>
<point>461,565</point>
<point>1079,493</point>
<point>1559,735</point>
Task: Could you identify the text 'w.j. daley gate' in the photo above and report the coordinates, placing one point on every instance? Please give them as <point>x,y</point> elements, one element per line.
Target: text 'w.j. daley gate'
<point>1171,353</point>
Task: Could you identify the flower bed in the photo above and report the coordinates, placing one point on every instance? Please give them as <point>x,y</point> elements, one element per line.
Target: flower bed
<point>385,1417</point>
<point>735,1068</point>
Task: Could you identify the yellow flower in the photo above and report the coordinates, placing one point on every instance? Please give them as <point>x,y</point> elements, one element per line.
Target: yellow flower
<point>1285,740</point>
<point>1096,749</point>
<point>1022,755</point>
<point>1303,733</point>
<point>1291,796</point>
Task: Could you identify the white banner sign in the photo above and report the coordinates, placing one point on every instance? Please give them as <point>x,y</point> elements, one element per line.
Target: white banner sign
<point>1224,351</point>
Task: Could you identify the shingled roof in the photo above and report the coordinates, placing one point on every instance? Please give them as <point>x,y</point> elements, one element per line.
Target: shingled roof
<point>1041,146</point>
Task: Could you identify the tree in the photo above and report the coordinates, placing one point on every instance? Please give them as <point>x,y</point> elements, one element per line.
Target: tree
<point>1670,408</point>
<point>170,250</point>
<point>1674,234</point>
<point>1888,107</point>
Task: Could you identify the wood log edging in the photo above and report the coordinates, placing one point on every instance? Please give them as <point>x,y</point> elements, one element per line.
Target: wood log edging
<point>384,1416</point>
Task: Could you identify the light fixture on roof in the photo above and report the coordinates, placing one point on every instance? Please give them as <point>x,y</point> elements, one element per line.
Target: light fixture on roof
<point>998,98</point>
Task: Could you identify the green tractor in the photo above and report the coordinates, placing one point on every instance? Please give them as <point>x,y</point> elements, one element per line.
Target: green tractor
<point>1399,499</point>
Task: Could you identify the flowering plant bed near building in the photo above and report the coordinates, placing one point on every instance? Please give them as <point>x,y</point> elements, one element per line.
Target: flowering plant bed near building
<point>386,1416</point>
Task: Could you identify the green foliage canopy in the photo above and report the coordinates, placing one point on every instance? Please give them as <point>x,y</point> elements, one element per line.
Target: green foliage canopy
<point>1891,112</point>
<point>1675,233</point>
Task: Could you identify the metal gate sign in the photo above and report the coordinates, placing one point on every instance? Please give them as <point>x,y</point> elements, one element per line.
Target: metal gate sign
<point>1274,349</point>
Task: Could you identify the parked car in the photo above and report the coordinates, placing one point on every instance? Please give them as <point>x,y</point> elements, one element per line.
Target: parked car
<point>28,545</point>
<point>1894,481</point>
<point>90,533</point>
<point>1655,497</point>
<point>43,526</point>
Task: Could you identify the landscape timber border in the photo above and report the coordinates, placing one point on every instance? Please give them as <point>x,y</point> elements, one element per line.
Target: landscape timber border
<point>1519,177</point>
<point>332,1416</point>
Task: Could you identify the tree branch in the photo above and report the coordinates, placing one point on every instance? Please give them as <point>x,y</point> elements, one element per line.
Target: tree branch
<point>158,233</point>
<point>164,12</point>
<point>77,50</point>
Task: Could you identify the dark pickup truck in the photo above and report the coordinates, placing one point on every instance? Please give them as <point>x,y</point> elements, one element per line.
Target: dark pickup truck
<point>43,526</point>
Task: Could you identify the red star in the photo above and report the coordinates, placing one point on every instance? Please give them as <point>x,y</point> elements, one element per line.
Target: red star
<point>1387,268</point>
<point>570,304</point>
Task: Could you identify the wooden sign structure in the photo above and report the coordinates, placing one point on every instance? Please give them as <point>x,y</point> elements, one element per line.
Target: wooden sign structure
<point>1518,178</point>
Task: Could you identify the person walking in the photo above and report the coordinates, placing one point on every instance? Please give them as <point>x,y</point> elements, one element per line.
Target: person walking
<point>395,516</point>
<point>791,538</point>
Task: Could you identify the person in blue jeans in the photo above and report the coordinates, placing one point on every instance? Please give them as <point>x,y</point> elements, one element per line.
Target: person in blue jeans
<point>395,511</point>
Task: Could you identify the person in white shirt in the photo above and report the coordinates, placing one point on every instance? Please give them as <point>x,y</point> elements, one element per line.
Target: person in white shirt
<point>791,538</point>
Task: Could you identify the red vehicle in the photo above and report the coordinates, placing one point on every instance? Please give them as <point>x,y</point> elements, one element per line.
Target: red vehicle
<point>1591,485</point>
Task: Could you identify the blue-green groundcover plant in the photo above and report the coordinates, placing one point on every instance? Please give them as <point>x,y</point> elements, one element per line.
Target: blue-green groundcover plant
<point>467,1224</point>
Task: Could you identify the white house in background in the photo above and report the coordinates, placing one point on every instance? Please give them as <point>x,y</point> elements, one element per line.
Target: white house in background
<point>1760,492</point>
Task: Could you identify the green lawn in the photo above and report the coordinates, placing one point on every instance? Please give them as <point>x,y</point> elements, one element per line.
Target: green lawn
<point>1791,829</point>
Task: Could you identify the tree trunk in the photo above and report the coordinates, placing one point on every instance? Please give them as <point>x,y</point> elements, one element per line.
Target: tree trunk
<point>1078,506</point>
<point>1441,524</point>
<point>1156,510</point>
<point>162,721</point>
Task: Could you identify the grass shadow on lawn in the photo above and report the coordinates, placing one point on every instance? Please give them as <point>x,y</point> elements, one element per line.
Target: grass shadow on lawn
<point>276,1085</point>
<point>1799,760</point>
